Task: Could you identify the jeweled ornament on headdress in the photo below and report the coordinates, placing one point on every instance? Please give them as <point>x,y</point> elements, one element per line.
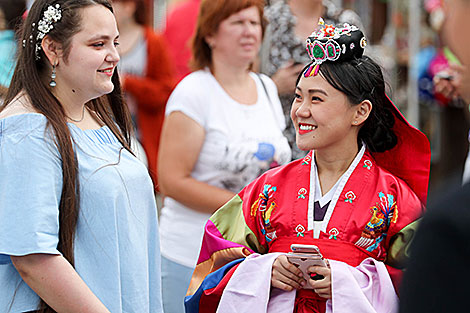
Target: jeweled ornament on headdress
<point>330,43</point>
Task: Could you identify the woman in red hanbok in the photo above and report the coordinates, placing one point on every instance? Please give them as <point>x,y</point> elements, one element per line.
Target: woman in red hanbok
<point>357,196</point>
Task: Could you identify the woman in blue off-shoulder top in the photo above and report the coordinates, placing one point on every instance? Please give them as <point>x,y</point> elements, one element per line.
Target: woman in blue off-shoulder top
<point>78,221</point>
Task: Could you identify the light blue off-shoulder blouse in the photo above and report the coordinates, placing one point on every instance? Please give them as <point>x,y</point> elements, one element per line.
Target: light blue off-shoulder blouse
<point>117,249</point>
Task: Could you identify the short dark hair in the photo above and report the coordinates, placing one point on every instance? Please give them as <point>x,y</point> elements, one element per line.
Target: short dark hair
<point>362,79</point>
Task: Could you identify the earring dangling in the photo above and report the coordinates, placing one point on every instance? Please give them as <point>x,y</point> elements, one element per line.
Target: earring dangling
<point>53,76</point>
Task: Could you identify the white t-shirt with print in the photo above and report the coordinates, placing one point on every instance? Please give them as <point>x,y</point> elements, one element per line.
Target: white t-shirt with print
<point>241,142</point>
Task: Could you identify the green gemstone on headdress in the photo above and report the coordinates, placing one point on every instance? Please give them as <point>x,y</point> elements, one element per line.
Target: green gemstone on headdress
<point>331,51</point>
<point>318,52</point>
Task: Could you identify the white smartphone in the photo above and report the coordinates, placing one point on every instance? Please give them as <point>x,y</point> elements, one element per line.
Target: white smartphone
<point>304,256</point>
<point>298,248</point>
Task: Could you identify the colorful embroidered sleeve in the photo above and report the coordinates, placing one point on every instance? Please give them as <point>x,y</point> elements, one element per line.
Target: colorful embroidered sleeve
<point>403,221</point>
<point>393,214</point>
<point>406,214</point>
<point>235,231</point>
<point>398,252</point>
<point>394,208</point>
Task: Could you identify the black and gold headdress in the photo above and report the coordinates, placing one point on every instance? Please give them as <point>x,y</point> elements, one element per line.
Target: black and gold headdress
<point>330,43</point>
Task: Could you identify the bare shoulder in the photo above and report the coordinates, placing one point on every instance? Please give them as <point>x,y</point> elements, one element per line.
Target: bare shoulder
<point>20,105</point>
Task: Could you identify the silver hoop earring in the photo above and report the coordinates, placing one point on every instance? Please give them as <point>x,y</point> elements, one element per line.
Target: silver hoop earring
<point>53,76</point>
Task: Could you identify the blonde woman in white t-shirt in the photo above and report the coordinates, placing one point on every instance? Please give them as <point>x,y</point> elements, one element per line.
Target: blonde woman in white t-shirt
<point>223,128</point>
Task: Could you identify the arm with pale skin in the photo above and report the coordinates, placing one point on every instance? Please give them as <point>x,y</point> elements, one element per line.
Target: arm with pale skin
<point>54,279</point>
<point>181,142</point>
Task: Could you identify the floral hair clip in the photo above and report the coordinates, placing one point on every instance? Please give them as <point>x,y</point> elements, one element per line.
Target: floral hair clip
<point>52,15</point>
<point>330,43</point>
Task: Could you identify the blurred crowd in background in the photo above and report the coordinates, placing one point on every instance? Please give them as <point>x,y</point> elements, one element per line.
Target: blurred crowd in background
<point>405,37</point>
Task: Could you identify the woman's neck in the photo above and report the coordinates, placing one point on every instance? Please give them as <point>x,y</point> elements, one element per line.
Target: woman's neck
<point>336,160</point>
<point>332,163</point>
<point>129,34</point>
<point>306,8</point>
<point>228,74</point>
<point>307,12</point>
<point>128,26</point>
<point>76,111</point>
<point>236,82</point>
<point>71,101</point>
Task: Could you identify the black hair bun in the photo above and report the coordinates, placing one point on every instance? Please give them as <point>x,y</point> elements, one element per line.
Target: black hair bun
<point>378,131</point>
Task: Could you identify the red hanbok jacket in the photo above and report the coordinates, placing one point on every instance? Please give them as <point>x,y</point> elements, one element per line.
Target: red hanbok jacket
<point>373,213</point>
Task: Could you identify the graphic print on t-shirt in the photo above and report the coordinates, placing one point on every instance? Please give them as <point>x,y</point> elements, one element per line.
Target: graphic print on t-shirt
<point>244,161</point>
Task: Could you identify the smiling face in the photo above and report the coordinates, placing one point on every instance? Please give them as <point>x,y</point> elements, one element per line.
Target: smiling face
<point>238,37</point>
<point>323,117</point>
<point>87,69</point>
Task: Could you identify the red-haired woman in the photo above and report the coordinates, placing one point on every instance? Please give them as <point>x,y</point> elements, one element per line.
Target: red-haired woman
<point>223,128</point>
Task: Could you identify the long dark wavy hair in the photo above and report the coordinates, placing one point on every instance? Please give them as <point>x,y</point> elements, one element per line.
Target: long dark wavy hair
<point>362,79</point>
<point>30,76</point>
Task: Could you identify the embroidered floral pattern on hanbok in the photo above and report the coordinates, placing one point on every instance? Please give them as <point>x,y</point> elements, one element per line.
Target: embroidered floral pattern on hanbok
<point>384,213</point>
<point>367,164</point>
<point>302,193</point>
<point>333,233</point>
<point>265,205</point>
<point>300,230</point>
<point>307,160</point>
<point>350,197</point>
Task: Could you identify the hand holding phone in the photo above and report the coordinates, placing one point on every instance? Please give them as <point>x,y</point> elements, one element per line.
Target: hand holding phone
<point>444,75</point>
<point>304,256</point>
